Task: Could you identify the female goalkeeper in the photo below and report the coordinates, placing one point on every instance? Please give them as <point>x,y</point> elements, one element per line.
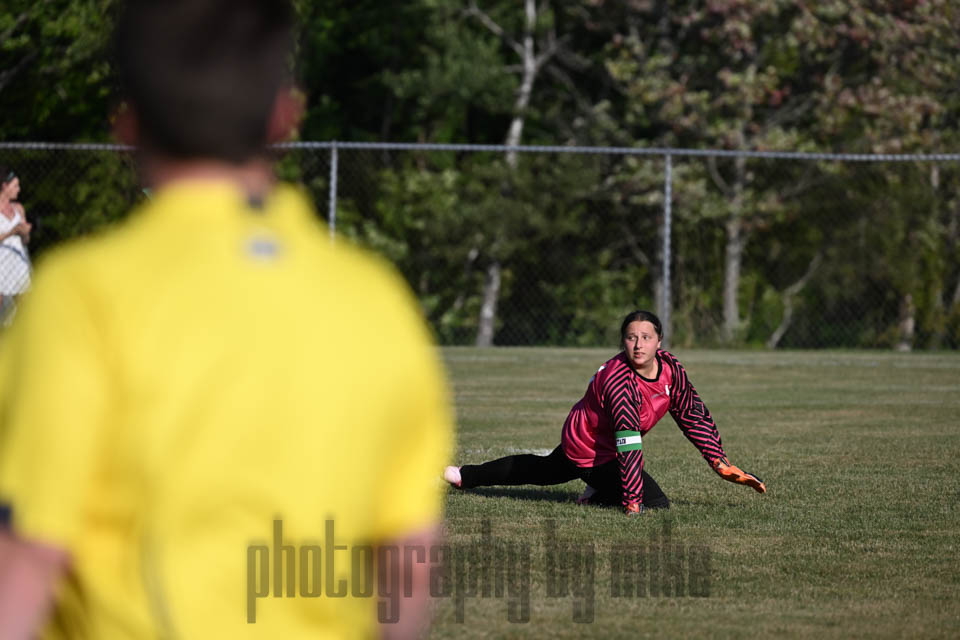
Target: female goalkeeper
<point>601,438</point>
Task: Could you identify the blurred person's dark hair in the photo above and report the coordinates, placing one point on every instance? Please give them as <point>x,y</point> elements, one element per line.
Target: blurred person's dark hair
<point>202,75</point>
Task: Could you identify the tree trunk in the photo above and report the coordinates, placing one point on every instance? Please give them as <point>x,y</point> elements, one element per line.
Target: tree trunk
<point>788,294</point>
<point>953,237</point>
<point>908,312</point>
<point>938,332</point>
<point>468,267</point>
<point>522,101</point>
<point>488,311</point>
<point>733,256</point>
<point>656,272</point>
<point>491,290</point>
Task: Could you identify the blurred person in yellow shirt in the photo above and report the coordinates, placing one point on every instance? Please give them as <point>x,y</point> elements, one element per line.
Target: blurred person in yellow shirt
<point>214,422</point>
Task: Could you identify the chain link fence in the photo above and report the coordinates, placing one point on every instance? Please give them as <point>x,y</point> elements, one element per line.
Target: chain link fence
<point>552,246</point>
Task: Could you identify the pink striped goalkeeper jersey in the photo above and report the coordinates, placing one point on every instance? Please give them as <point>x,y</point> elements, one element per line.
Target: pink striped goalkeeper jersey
<point>619,400</point>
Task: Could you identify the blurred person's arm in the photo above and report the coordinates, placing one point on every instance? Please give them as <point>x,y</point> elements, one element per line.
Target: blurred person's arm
<point>414,609</point>
<point>29,573</point>
<point>413,449</point>
<point>23,229</point>
<point>52,397</point>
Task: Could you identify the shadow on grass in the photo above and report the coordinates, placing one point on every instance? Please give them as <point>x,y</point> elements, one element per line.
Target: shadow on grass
<point>540,495</point>
<point>544,495</point>
<point>703,503</point>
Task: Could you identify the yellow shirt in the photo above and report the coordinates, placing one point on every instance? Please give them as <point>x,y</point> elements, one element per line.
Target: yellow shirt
<point>177,392</point>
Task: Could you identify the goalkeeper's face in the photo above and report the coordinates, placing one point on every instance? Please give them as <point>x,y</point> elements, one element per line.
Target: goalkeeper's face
<point>640,344</point>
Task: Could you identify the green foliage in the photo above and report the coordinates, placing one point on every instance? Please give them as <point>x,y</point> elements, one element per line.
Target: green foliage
<point>780,74</point>
<point>577,238</point>
<point>461,74</point>
<point>435,217</point>
<point>55,84</point>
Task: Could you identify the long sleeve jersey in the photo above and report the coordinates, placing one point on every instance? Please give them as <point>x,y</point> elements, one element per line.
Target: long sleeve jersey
<point>620,406</point>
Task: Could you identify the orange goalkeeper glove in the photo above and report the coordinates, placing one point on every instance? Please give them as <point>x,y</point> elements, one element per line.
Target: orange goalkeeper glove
<point>733,473</point>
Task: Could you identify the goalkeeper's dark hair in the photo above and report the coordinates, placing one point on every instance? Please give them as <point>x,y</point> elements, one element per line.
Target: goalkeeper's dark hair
<point>202,75</point>
<point>640,316</point>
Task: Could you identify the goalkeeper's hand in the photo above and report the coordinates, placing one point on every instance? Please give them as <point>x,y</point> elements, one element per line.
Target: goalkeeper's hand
<point>634,509</point>
<point>733,473</point>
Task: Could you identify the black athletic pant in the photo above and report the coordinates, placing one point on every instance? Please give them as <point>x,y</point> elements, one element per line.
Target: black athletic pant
<point>557,468</point>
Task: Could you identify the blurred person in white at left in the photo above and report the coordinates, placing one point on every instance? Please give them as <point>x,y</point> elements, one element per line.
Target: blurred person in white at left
<point>14,236</point>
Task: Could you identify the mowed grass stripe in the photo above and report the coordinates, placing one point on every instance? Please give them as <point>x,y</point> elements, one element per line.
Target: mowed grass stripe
<point>858,536</point>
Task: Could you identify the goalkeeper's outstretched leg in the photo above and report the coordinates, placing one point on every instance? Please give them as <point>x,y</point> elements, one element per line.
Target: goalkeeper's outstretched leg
<point>526,468</point>
<point>603,482</point>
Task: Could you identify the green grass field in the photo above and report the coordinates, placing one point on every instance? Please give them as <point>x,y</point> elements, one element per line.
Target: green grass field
<point>857,536</point>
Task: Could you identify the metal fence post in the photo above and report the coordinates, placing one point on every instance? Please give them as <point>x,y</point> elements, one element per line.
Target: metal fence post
<point>332,213</point>
<point>667,223</point>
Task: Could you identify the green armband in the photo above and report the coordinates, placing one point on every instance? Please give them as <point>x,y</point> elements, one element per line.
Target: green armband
<point>628,441</point>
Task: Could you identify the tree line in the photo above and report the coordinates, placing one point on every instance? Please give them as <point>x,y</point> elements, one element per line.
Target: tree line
<point>523,248</point>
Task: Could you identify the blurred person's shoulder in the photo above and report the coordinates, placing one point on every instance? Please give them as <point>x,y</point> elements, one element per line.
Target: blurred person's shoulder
<point>337,264</point>
<point>173,225</point>
<point>77,261</point>
<point>195,237</point>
